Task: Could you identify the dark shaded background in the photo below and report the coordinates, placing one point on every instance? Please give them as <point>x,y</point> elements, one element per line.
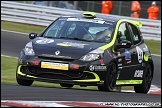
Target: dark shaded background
<point>95,6</point>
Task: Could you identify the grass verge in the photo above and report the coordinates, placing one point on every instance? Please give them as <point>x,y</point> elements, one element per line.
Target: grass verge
<point>153,45</point>
<point>18,27</point>
<point>8,73</point>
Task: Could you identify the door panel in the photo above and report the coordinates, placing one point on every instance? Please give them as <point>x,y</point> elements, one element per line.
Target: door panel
<point>128,56</point>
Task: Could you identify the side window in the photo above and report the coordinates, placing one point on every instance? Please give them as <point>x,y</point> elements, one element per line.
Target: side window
<point>135,34</point>
<point>123,33</point>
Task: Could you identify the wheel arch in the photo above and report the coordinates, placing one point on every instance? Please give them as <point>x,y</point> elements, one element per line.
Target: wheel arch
<point>115,61</point>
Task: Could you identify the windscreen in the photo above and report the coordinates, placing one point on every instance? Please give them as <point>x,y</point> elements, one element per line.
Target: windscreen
<point>85,29</point>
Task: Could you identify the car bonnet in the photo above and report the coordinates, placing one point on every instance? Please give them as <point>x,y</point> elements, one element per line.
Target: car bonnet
<point>63,47</point>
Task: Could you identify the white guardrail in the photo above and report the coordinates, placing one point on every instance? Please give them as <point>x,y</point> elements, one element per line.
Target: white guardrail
<point>43,16</point>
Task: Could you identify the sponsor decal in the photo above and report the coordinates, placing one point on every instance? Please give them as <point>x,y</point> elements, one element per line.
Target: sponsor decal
<point>139,54</point>
<point>118,74</point>
<point>44,41</point>
<point>127,55</point>
<point>97,68</point>
<point>50,65</point>
<point>138,73</point>
<point>62,44</point>
<point>57,52</point>
<point>120,82</point>
<point>78,45</point>
<point>100,68</point>
<point>120,64</point>
<point>119,67</point>
<point>91,68</point>
<point>129,62</point>
<point>120,60</point>
<point>86,20</point>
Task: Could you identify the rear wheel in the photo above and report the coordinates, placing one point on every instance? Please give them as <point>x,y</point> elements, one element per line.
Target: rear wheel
<point>110,81</point>
<point>147,79</point>
<point>66,85</point>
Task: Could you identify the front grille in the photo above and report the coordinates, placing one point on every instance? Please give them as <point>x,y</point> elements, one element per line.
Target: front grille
<point>54,58</point>
<point>56,74</point>
<point>71,73</point>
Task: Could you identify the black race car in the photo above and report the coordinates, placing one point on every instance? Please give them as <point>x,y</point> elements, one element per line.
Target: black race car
<point>88,49</point>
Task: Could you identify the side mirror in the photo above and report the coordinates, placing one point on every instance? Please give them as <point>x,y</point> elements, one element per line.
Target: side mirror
<point>124,44</point>
<point>32,35</point>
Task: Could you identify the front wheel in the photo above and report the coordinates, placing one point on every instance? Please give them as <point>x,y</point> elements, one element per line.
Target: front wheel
<point>110,81</point>
<point>147,79</point>
<point>23,82</point>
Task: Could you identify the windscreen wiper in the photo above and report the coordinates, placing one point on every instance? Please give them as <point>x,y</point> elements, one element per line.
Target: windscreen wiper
<point>74,38</point>
<point>48,37</point>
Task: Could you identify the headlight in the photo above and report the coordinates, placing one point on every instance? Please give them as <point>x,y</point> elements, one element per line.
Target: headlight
<point>93,55</point>
<point>29,49</point>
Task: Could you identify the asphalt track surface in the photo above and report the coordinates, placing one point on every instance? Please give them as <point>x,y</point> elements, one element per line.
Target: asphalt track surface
<point>11,45</point>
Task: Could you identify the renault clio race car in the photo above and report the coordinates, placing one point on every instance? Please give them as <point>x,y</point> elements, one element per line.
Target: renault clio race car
<point>88,49</point>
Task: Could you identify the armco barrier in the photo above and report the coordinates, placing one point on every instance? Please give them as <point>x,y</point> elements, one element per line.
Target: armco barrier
<point>43,16</point>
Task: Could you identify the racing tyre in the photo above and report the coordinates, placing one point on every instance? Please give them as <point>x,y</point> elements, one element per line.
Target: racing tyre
<point>110,81</point>
<point>66,85</point>
<point>101,88</point>
<point>24,82</point>
<point>147,79</point>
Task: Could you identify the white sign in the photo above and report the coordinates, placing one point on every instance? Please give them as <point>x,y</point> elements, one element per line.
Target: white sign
<point>86,20</point>
<point>44,41</point>
<point>138,73</point>
<point>91,68</point>
<point>51,65</point>
<point>139,54</point>
<point>97,68</point>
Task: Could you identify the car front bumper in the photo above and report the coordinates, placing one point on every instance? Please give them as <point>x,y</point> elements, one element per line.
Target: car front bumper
<point>31,68</point>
